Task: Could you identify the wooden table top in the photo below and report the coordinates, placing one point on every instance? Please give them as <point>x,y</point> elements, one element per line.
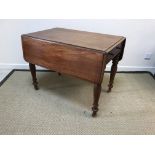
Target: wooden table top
<point>90,40</point>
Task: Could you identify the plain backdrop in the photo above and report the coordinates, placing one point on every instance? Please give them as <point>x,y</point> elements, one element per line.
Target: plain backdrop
<point>140,36</point>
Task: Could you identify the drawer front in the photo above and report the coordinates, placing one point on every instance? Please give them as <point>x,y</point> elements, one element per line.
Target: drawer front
<point>75,61</point>
<point>113,53</point>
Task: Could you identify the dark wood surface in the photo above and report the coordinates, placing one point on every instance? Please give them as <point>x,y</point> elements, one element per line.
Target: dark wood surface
<point>96,41</point>
<point>66,59</point>
<point>77,53</point>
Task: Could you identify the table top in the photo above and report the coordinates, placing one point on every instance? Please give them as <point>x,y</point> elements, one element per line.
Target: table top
<point>90,40</point>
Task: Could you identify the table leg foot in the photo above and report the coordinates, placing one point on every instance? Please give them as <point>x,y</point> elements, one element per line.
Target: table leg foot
<point>109,88</point>
<point>33,73</point>
<point>97,91</point>
<point>36,86</point>
<point>94,114</point>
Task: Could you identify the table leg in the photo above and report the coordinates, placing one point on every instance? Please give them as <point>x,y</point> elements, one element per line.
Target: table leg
<point>97,91</point>
<point>113,72</point>
<point>33,73</point>
<point>59,73</point>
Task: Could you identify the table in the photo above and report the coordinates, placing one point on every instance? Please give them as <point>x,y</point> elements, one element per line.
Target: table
<point>76,53</point>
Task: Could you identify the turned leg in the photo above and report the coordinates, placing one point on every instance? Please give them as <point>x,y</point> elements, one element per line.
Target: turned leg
<point>33,73</point>
<point>97,91</point>
<point>113,72</point>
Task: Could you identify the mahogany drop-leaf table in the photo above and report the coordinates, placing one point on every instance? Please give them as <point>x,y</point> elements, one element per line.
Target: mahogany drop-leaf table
<point>76,53</point>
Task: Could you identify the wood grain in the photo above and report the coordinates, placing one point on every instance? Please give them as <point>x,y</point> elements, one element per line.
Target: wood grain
<point>97,41</point>
<point>64,59</point>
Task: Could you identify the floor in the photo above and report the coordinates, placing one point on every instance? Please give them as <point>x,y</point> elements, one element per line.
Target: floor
<point>63,104</point>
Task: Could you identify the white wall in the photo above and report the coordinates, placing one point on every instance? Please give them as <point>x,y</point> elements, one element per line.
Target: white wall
<point>140,36</point>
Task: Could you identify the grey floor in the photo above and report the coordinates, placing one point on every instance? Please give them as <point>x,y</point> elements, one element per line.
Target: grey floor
<point>63,104</point>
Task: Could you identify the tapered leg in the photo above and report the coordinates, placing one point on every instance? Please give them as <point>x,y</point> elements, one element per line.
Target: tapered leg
<point>97,91</point>
<point>33,73</point>
<point>113,72</point>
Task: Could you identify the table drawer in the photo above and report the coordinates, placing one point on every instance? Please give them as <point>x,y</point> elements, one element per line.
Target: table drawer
<point>113,53</point>
<point>76,61</point>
